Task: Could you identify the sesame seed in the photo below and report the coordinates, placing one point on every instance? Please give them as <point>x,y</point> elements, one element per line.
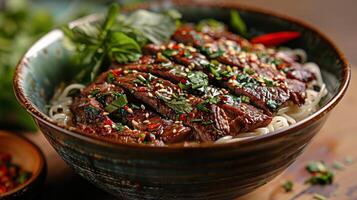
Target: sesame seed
<point>174,131</point>
<point>147,115</point>
<point>146,121</point>
<point>142,106</point>
<point>135,123</point>
<point>129,110</point>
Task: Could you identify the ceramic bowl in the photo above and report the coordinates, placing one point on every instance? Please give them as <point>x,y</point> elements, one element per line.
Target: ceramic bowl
<point>29,157</point>
<point>205,171</point>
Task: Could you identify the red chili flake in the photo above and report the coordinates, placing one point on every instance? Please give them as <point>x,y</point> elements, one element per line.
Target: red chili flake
<point>11,175</point>
<point>191,114</point>
<point>117,72</point>
<point>141,89</point>
<point>225,78</point>
<point>223,98</point>
<point>282,66</point>
<point>183,81</point>
<point>126,107</point>
<point>108,121</point>
<point>181,53</point>
<point>182,117</point>
<point>152,127</point>
<point>274,39</point>
<point>176,47</point>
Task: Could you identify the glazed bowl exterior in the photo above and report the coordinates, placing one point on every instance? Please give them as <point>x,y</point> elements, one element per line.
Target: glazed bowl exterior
<point>204,171</point>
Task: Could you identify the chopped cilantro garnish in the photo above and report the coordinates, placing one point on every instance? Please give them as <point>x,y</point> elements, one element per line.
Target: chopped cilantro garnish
<point>272,104</point>
<point>217,53</point>
<point>248,70</point>
<point>198,80</point>
<point>117,103</point>
<point>288,186</point>
<point>206,123</point>
<point>119,127</point>
<point>110,77</point>
<point>94,92</point>
<point>178,103</point>
<point>168,52</point>
<point>245,99</point>
<point>320,174</point>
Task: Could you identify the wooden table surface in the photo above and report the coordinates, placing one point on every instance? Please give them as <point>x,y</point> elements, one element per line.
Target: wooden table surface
<point>336,140</point>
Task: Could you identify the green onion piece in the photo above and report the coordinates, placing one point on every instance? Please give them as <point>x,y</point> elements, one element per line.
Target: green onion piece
<point>238,24</point>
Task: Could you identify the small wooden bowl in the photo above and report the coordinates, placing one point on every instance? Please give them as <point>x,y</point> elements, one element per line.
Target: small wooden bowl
<point>30,158</point>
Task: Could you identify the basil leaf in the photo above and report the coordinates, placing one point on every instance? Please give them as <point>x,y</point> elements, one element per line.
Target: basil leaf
<point>158,28</point>
<point>122,48</point>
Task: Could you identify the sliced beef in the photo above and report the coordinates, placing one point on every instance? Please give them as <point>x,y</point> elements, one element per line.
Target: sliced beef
<point>269,98</point>
<point>143,121</point>
<point>241,115</point>
<point>91,119</point>
<point>169,100</point>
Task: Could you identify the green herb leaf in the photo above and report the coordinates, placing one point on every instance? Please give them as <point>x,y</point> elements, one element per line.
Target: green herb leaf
<point>122,48</point>
<point>117,103</point>
<point>238,24</point>
<point>198,80</point>
<point>158,28</point>
<point>179,104</point>
<point>288,186</point>
<point>320,174</point>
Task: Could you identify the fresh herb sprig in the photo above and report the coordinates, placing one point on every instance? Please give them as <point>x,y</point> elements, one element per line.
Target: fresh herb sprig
<point>118,38</point>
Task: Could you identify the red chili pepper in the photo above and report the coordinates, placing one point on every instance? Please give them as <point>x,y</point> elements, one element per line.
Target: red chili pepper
<point>274,39</point>
<point>108,121</point>
<point>153,126</point>
<point>182,117</point>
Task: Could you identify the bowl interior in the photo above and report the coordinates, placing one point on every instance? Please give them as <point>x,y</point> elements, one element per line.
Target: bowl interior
<point>47,63</point>
<point>24,154</point>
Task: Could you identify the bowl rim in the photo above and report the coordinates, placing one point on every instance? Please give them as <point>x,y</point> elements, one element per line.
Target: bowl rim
<point>37,174</point>
<point>225,4</point>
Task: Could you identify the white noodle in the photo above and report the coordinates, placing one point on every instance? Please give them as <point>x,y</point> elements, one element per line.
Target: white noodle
<point>61,102</point>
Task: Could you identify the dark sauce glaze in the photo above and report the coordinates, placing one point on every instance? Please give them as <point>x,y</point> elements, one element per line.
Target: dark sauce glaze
<point>199,87</point>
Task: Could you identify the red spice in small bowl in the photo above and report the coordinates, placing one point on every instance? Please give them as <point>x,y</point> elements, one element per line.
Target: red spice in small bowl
<point>11,175</point>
